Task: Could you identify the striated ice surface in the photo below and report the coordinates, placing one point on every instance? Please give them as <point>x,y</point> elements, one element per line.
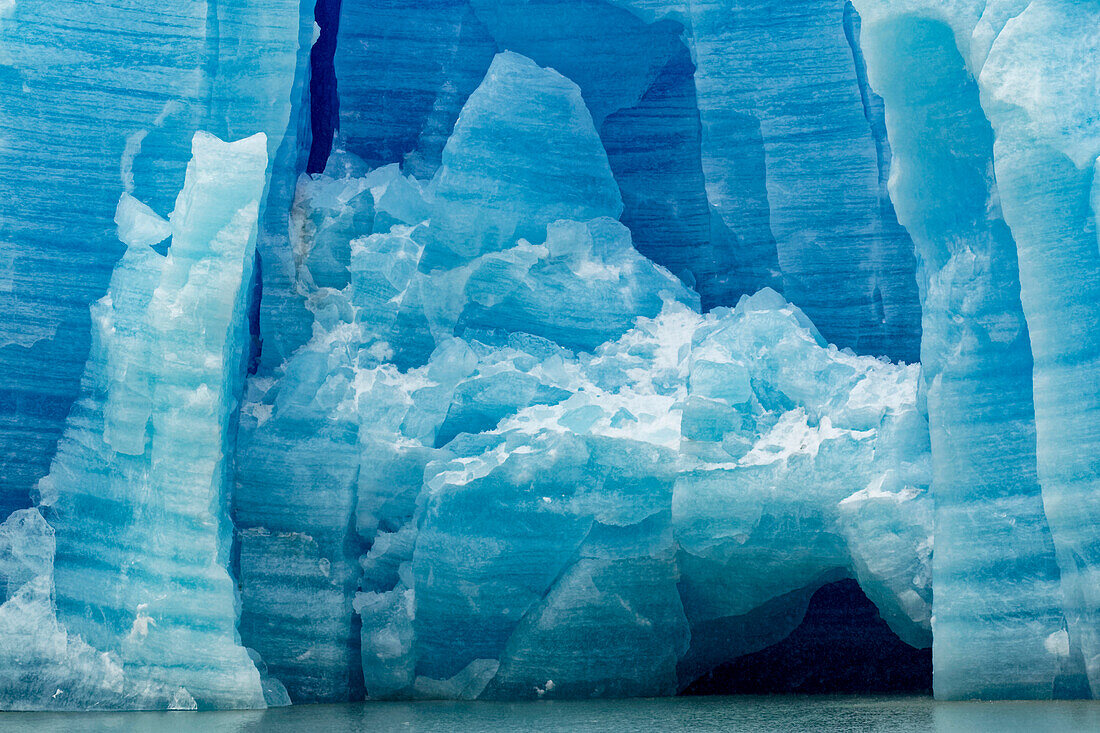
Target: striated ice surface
<point>742,164</point>
<point>138,589</point>
<point>1021,203</point>
<point>977,364</point>
<point>542,349</point>
<point>99,97</point>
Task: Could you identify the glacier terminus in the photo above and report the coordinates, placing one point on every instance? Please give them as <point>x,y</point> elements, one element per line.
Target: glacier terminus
<point>544,349</point>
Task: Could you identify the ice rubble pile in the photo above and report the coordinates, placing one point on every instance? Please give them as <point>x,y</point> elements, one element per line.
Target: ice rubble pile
<point>525,395</point>
<point>576,474</point>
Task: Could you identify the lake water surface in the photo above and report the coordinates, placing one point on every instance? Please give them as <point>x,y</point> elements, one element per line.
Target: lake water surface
<point>732,714</point>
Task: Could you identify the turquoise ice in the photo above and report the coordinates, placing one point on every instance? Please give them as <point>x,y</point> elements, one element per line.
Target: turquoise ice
<point>552,352</point>
<point>486,349</point>
<point>136,586</point>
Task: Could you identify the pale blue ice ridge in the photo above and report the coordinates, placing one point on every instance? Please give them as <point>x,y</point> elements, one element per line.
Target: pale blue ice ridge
<point>1047,158</point>
<point>1019,121</point>
<point>138,494</point>
<point>977,368</point>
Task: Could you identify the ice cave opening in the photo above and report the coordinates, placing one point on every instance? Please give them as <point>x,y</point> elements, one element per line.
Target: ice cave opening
<point>840,646</point>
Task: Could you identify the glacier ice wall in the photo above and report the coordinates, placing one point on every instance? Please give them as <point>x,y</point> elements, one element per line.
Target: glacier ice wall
<point>1047,175</point>
<point>977,367</point>
<point>1039,165</point>
<point>584,353</point>
<point>742,164</point>
<point>98,97</point>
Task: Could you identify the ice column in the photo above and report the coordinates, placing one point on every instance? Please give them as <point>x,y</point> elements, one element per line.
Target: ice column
<point>1041,89</point>
<point>138,492</point>
<point>997,602</point>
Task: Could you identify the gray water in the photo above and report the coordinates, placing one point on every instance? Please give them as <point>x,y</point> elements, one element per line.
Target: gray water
<point>730,714</point>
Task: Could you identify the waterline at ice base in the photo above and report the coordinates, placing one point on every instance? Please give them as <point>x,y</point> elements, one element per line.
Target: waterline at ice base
<point>547,349</point>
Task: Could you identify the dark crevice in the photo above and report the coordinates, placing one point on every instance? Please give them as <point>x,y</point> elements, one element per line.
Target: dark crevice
<point>255,338</point>
<point>841,646</point>
<point>324,102</point>
<point>354,548</point>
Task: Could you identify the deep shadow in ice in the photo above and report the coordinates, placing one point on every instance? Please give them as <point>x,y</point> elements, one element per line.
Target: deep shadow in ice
<point>842,646</point>
<point>324,105</point>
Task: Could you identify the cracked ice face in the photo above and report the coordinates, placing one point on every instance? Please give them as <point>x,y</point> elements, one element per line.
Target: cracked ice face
<point>572,370</point>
